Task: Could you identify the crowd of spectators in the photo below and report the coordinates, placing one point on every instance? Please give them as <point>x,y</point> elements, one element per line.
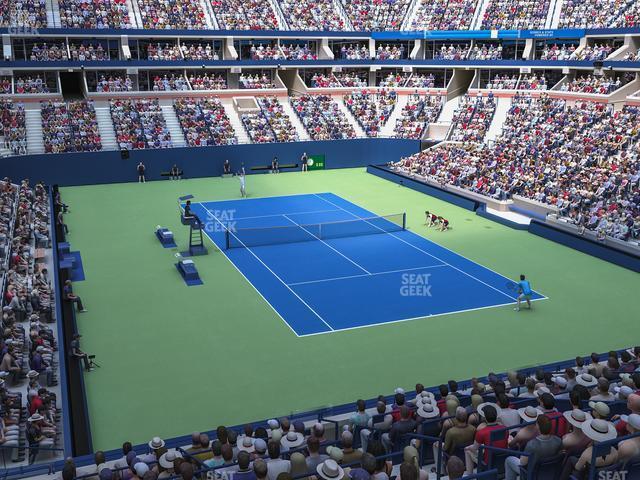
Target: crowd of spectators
<point>555,416</point>
<point>472,118</point>
<point>270,123</point>
<point>311,15</point>
<point>389,52</point>
<point>88,51</point>
<point>599,85</point>
<point>371,109</point>
<point>30,84</point>
<point>593,53</point>
<point>158,51</point>
<point>269,52</point>
<point>376,15</point>
<point>322,80</point>
<point>532,82</point>
<point>502,82</point>
<point>199,52</point>
<point>519,14</point>
<point>23,13</point>
<point>70,127</point>
<point>204,122</point>
<point>444,15</point>
<point>298,52</point>
<point>166,83</point>
<point>417,114</point>
<point>172,14</point>
<point>422,81</point>
<point>245,15</point>
<point>592,14</point>
<point>14,130</point>
<point>322,117</point>
<point>457,52</point>
<point>557,52</point>
<point>631,56</point>
<point>139,124</point>
<point>354,52</point>
<point>579,158</point>
<point>629,18</point>
<point>48,52</point>
<point>5,86</point>
<point>484,52</point>
<point>112,82</point>
<point>394,80</point>
<point>94,14</point>
<point>356,79</point>
<point>215,81</point>
<point>30,413</point>
<point>256,81</point>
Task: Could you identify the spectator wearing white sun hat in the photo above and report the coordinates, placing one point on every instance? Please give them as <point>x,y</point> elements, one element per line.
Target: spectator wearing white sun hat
<point>597,430</point>
<point>576,441</point>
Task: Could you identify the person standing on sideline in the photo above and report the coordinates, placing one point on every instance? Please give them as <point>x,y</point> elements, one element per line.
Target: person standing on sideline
<point>304,161</point>
<point>274,165</point>
<point>524,292</point>
<point>227,167</point>
<point>141,169</point>
<point>243,191</point>
<point>175,172</point>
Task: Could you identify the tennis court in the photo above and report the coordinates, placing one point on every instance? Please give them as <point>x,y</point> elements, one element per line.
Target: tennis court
<point>325,264</point>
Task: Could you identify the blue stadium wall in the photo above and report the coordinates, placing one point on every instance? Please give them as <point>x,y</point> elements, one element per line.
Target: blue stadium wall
<point>109,167</point>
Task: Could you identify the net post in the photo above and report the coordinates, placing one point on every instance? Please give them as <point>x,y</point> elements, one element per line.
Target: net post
<point>404,221</point>
<point>320,230</point>
<point>226,239</point>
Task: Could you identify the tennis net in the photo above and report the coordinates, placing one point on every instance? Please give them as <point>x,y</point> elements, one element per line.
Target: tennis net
<point>255,237</point>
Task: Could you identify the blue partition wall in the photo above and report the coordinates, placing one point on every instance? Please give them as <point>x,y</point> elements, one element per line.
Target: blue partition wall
<point>109,167</point>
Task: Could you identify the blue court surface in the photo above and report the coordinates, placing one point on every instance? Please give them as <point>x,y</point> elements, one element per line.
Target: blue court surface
<point>325,264</point>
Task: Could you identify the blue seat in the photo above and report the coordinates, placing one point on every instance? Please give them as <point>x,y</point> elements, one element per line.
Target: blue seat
<point>547,469</point>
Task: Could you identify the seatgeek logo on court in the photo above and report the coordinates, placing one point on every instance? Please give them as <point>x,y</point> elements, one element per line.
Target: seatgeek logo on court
<point>415,285</point>
<point>221,220</point>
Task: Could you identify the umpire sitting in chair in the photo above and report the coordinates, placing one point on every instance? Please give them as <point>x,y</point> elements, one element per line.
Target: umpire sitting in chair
<point>189,216</point>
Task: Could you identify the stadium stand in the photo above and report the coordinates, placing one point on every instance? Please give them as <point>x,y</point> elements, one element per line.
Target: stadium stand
<point>444,15</point>
<point>204,122</point>
<point>269,123</point>
<point>416,115</point>
<point>322,117</point>
<point>515,14</point>
<point>306,15</point>
<point>94,14</point>
<point>13,127</point>
<point>590,172</point>
<point>472,118</point>
<point>139,124</point>
<point>30,423</point>
<point>246,15</point>
<point>367,15</point>
<point>372,110</point>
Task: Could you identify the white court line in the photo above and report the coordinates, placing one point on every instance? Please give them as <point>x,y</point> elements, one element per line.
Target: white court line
<point>283,215</point>
<point>337,251</point>
<point>401,320</point>
<point>244,276</point>
<point>371,274</point>
<point>273,273</point>
<point>423,251</point>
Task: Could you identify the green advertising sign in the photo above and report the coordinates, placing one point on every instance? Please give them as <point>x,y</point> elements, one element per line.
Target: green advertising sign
<point>315,162</point>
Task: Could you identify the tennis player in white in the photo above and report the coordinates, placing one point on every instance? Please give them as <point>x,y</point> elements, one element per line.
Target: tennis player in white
<point>243,190</point>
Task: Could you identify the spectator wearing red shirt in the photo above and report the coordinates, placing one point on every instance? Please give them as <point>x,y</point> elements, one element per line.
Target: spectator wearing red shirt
<point>547,405</point>
<point>483,437</point>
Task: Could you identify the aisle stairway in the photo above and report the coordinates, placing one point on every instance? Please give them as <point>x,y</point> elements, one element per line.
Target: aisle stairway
<point>234,118</point>
<point>356,125</point>
<point>173,124</point>
<point>389,127</point>
<point>105,126</point>
<point>33,121</point>
<point>499,117</point>
<point>295,120</point>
